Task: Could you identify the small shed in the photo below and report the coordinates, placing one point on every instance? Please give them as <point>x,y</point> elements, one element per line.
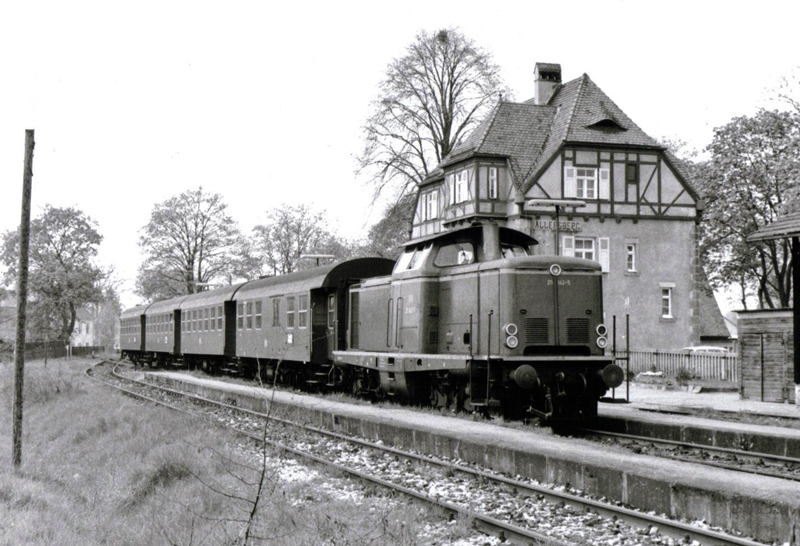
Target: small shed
<point>767,344</point>
<point>766,352</point>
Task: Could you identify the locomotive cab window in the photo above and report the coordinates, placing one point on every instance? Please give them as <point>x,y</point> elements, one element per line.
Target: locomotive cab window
<point>413,258</point>
<point>460,253</point>
<point>513,251</point>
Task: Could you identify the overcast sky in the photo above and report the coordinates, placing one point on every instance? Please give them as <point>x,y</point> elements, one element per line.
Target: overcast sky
<point>264,102</point>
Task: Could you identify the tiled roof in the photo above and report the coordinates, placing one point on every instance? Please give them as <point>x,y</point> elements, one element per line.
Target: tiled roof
<point>783,228</point>
<point>514,130</point>
<point>529,135</point>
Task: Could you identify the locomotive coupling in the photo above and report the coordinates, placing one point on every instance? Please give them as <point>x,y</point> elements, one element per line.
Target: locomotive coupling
<point>525,377</point>
<point>613,376</point>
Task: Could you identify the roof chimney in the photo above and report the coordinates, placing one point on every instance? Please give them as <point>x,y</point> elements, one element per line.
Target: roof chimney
<point>546,78</point>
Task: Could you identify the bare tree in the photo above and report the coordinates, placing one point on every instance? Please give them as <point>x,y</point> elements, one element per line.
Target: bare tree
<point>188,243</point>
<point>431,97</point>
<point>292,231</point>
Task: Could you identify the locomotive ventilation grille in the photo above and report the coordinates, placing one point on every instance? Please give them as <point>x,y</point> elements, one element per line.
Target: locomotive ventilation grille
<point>577,330</point>
<point>536,330</point>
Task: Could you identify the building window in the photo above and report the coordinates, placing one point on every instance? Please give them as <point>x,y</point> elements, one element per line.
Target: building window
<point>631,173</point>
<point>430,202</point>
<point>276,312</point>
<point>493,183</point>
<point>258,315</point>
<point>302,311</point>
<point>584,248</point>
<point>249,315</point>
<point>630,257</point>
<point>666,302</point>
<point>586,183</point>
<point>589,248</point>
<point>290,312</point>
<point>461,187</point>
<point>240,316</point>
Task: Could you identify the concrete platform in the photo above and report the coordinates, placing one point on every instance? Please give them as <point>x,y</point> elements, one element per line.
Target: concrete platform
<point>766,509</point>
<point>635,418</point>
<point>645,397</point>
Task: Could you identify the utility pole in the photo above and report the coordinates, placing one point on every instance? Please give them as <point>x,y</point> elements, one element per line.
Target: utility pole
<point>22,298</point>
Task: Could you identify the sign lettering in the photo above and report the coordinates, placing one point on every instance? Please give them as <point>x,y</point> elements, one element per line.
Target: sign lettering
<point>550,225</point>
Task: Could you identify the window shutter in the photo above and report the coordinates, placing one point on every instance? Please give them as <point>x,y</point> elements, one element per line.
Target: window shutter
<point>605,184</point>
<point>568,245</point>
<point>570,183</point>
<point>604,254</point>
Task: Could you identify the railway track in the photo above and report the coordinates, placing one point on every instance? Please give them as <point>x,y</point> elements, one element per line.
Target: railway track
<point>497,504</point>
<point>751,462</point>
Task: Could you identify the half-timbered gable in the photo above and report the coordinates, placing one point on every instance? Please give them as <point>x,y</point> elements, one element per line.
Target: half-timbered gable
<point>637,212</point>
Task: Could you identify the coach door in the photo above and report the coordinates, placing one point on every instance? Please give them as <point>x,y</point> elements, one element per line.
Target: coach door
<point>176,330</point>
<point>320,346</point>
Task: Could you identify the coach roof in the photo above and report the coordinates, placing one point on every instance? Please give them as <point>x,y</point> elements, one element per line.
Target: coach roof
<point>327,276</point>
<point>211,297</point>
<point>166,306</point>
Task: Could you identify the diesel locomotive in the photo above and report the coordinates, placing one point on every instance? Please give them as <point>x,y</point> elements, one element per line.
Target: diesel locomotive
<point>467,320</point>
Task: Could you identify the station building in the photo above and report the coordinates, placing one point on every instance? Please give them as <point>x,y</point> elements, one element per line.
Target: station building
<point>639,217</point>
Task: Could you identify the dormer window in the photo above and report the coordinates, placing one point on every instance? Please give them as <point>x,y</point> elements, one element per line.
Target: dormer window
<point>492,183</point>
<point>459,186</point>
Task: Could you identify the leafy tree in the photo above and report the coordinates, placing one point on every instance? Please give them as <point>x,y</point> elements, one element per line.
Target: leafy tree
<point>292,231</point>
<point>62,274</point>
<point>750,181</point>
<point>431,97</point>
<point>189,243</point>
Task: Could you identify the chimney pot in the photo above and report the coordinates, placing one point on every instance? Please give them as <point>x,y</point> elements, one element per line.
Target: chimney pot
<point>546,79</point>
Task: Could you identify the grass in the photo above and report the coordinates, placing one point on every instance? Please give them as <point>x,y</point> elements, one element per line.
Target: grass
<point>101,468</point>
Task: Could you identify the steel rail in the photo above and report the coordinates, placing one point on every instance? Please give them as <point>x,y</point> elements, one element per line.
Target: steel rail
<point>746,455</point>
<point>669,527</point>
<point>482,522</point>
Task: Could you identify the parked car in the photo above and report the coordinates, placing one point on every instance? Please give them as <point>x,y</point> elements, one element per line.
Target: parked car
<point>707,350</point>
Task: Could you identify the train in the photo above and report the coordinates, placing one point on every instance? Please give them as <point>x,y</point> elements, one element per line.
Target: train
<point>465,320</point>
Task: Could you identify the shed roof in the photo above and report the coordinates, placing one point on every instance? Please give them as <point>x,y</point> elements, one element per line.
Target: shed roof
<point>783,228</point>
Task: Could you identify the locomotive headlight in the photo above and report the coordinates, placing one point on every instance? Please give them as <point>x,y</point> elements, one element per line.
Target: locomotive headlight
<point>512,342</point>
<point>511,329</point>
<point>601,330</point>
<point>602,342</point>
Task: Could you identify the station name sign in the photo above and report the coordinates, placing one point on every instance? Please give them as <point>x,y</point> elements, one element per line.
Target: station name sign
<point>562,226</point>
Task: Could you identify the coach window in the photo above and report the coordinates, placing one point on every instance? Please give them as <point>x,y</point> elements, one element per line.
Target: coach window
<point>331,311</point>
<point>249,315</point>
<point>290,312</point>
<point>258,315</point>
<point>213,325</point>
<point>240,316</point>
<point>219,318</point>
<point>276,312</point>
<point>302,311</point>
<point>205,319</point>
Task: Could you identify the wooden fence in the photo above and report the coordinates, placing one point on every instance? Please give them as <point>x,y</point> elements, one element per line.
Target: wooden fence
<point>701,366</point>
